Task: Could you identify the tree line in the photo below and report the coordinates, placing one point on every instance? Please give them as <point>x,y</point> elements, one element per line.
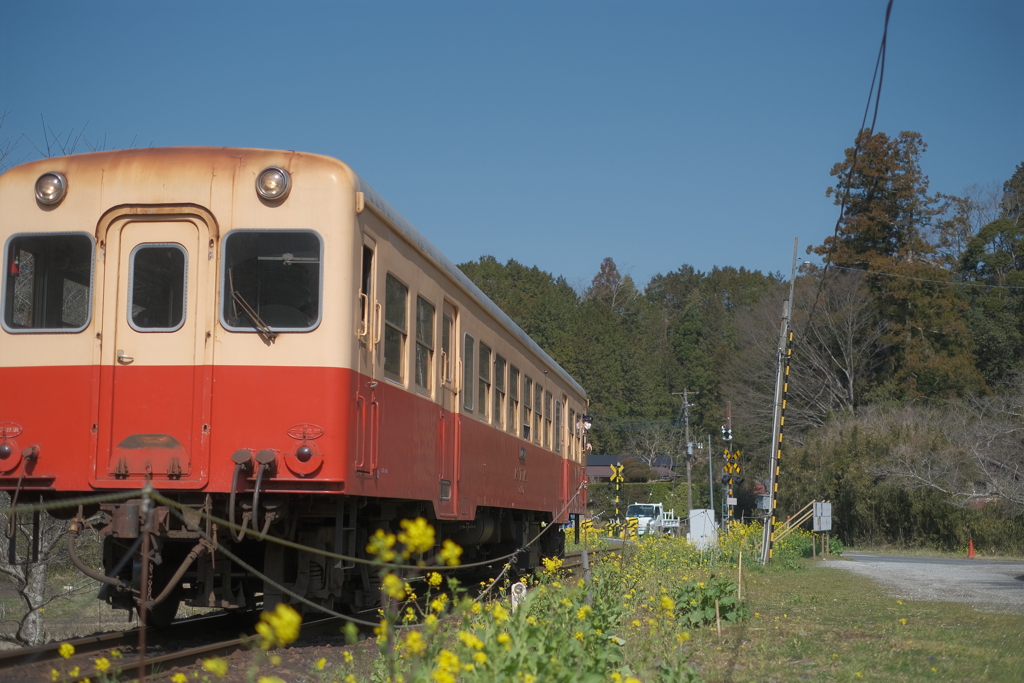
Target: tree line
<point>907,378</point>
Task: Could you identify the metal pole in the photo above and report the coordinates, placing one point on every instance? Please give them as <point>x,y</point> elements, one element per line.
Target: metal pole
<point>711,480</point>
<point>781,387</point>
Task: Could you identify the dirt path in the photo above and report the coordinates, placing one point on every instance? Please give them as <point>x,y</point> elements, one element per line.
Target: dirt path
<point>987,585</point>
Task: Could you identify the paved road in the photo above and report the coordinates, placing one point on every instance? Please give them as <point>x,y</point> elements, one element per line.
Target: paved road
<point>988,585</point>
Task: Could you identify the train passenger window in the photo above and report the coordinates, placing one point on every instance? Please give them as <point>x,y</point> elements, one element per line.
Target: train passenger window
<point>527,407</point>
<point>558,427</point>
<point>538,426</point>
<point>467,375</point>
<point>572,433</point>
<point>156,299</point>
<point>447,331</point>
<point>547,419</point>
<point>485,379</point>
<point>396,297</point>
<point>271,280</point>
<point>424,342</point>
<point>513,400</point>
<point>48,283</point>
<point>498,415</point>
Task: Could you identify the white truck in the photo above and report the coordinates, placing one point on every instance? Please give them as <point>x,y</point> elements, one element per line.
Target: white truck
<point>652,518</point>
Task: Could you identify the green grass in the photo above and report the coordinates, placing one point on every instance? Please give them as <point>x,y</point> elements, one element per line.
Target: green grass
<point>827,624</point>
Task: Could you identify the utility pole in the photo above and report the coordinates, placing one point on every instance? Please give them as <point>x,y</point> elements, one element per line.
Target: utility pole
<point>732,466</point>
<point>684,411</point>
<point>785,351</point>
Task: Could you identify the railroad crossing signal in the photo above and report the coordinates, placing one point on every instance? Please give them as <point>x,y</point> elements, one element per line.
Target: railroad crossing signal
<point>730,475</point>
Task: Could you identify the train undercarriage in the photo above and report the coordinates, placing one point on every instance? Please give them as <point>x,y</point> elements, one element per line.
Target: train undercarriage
<point>197,559</point>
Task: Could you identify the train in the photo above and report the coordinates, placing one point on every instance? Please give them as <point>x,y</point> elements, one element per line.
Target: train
<point>260,337</point>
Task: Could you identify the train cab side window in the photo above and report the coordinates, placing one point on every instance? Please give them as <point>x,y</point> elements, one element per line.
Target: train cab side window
<point>364,292</point>
<point>547,419</point>
<point>538,415</point>
<point>48,283</point>
<point>513,400</point>
<point>271,280</point>
<point>159,277</point>
<point>527,407</point>
<point>424,342</point>
<point>485,379</point>
<point>498,414</point>
<point>467,375</point>
<point>395,331</point>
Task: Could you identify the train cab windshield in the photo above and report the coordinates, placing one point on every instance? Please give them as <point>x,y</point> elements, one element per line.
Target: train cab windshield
<point>48,283</point>
<point>271,280</point>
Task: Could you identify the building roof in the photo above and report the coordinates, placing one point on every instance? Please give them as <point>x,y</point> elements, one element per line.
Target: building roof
<point>598,460</point>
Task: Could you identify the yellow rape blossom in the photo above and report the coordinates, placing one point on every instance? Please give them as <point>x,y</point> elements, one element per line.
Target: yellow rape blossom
<point>450,552</point>
<point>217,666</point>
<point>102,664</point>
<point>470,640</point>
<point>667,603</point>
<point>269,679</point>
<point>179,678</point>
<point>66,650</point>
<point>348,657</point>
<point>321,663</point>
<point>280,627</point>
<point>394,587</point>
<point>417,536</point>
<point>499,613</point>
<point>434,579</point>
<point>415,643</point>
<point>438,603</point>
<point>583,612</point>
<point>381,544</point>
<point>480,658</point>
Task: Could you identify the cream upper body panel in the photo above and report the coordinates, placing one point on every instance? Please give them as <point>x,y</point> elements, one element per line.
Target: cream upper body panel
<point>213,186</point>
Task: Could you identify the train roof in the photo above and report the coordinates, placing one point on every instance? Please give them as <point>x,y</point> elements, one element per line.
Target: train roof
<point>435,254</point>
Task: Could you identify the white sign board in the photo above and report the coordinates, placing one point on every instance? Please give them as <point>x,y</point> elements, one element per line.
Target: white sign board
<point>823,516</point>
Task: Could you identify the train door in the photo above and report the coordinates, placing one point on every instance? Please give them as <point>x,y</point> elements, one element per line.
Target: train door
<point>368,331</point>
<point>157,302</point>
<point>448,433</point>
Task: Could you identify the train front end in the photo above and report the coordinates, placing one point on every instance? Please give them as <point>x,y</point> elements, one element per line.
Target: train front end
<point>165,323</point>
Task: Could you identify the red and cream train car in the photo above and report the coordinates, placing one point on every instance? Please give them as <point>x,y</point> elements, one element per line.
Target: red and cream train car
<point>260,336</point>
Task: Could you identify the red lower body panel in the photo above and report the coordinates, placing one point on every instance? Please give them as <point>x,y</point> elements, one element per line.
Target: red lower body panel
<point>100,431</point>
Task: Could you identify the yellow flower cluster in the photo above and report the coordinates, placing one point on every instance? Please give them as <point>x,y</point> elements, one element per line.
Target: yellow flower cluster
<point>450,553</point>
<point>382,545</point>
<point>279,627</point>
<point>415,643</point>
<point>470,640</point>
<point>66,650</point>
<point>434,579</point>
<point>217,666</point>
<point>417,536</point>
<point>499,613</point>
<point>394,587</point>
<point>583,612</point>
<point>102,664</point>
<point>551,564</point>
<point>448,666</point>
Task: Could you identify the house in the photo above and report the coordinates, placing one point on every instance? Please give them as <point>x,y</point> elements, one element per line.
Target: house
<point>599,467</point>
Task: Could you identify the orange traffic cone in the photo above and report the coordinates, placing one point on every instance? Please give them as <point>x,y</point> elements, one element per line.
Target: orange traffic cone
<point>970,549</point>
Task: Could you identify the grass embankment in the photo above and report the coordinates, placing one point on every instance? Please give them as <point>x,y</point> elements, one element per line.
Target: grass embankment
<point>827,624</point>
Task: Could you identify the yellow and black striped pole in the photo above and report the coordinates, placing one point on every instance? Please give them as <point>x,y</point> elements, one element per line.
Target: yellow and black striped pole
<point>617,479</point>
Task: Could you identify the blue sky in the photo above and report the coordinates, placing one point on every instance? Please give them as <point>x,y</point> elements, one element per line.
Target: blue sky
<point>555,133</point>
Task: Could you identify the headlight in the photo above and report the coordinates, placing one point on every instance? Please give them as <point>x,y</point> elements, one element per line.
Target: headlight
<point>51,188</point>
<point>273,183</point>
